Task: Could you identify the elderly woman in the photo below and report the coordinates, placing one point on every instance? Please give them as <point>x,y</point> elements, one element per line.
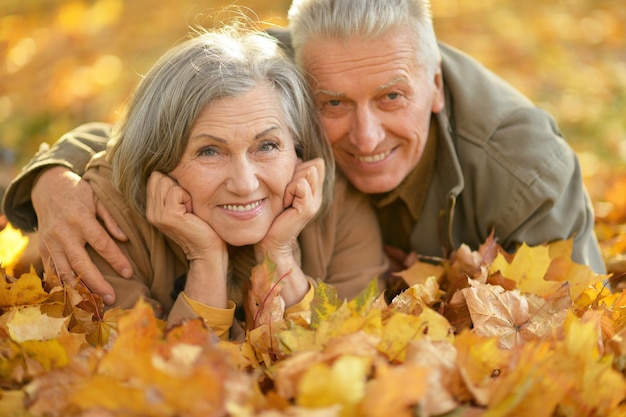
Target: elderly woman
<point>217,162</point>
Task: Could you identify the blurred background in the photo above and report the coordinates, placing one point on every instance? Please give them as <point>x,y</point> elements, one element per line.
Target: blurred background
<point>66,62</point>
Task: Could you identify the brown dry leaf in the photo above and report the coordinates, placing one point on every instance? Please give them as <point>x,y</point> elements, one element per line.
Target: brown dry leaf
<point>513,317</point>
<point>264,304</point>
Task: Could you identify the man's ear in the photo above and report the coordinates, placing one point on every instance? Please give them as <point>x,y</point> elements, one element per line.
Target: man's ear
<point>438,99</point>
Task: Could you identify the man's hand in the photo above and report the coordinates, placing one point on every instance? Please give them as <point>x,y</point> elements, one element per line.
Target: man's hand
<point>68,213</point>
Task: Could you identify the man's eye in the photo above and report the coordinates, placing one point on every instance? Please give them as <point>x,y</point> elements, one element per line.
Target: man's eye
<point>393,96</point>
<point>334,103</point>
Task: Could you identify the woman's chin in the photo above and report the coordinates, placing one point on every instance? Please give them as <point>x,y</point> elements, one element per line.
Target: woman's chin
<point>244,240</point>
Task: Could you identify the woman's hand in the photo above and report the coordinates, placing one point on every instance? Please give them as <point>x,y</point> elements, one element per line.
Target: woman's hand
<point>302,201</point>
<point>169,208</point>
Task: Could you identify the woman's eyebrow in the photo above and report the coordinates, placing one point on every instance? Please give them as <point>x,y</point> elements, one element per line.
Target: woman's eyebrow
<point>267,131</point>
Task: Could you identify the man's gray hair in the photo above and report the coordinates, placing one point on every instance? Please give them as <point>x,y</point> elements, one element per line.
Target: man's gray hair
<point>310,20</point>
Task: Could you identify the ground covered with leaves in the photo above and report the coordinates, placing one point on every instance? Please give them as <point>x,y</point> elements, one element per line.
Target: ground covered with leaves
<point>483,334</point>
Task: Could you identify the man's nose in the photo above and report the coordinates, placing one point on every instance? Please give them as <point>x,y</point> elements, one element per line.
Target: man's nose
<point>243,176</point>
<point>367,131</point>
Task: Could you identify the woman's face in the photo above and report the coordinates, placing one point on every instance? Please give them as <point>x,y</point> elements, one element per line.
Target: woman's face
<point>239,159</point>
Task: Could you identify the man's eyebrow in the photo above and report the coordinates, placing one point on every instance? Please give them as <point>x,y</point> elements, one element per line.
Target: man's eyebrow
<point>330,93</point>
<point>391,83</point>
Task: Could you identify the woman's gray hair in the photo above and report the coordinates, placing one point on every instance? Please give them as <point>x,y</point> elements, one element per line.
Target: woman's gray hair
<point>310,20</point>
<point>154,129</point>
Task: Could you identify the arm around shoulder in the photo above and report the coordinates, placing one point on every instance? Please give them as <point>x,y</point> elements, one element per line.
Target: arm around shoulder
<point>73,150</point>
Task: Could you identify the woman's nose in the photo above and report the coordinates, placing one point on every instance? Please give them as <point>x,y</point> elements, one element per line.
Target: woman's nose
<point>243,176</point>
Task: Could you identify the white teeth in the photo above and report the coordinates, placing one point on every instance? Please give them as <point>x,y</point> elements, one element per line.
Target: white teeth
<point>373,158</point>
<point>247,207</point>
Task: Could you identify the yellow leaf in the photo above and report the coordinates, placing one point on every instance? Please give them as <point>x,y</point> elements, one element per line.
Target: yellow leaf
<point>365,298</point>
<point>12,246</point>
<point>325,302</point>
<point>419,272</point>
<point>527,270</point>
<point>27,290</point>
<point>29,324</point>
<point>395,391</point>
<point>341,383</point>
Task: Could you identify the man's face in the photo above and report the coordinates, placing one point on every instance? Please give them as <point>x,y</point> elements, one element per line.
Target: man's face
<point>375,103</point>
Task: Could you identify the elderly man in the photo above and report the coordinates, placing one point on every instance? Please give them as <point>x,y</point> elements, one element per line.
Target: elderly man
<point>447,151</point>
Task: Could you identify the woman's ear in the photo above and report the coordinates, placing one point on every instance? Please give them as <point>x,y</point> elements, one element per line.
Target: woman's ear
<point>299,150</point>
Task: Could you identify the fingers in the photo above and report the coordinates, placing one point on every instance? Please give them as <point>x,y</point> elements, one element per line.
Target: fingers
<point>305,191</point>
<point>66,211</point>
<point>109,222</point>
<point>63,264</point>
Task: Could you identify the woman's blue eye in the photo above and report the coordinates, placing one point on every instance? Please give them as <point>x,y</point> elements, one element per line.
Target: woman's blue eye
<point>268,146</point>
<point>208,152</point>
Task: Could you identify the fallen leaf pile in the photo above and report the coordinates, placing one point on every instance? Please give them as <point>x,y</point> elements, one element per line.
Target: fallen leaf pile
<point>485,333</point>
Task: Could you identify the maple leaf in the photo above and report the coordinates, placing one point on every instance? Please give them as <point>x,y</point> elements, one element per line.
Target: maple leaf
<point>264,304</point>
<point>513,317</point>
<point>26,290</point>
<point>364,300</point>
<point>527,270</point>
<point>324,304</point>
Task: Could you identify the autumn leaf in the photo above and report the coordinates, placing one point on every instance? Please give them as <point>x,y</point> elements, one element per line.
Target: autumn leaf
<point>597,386</point>
<point>26,290</point>
<point>512,317</point>
<point>12,246</point>
<point>264,304</point>
<point>325,303</point>
<point>527,270</point>
<point>340,384</point>
<point>395,391</point>
<point>362,302</point>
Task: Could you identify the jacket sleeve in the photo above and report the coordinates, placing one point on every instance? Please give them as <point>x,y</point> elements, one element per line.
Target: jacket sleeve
<point>534,191</point>
<point>73,150</point>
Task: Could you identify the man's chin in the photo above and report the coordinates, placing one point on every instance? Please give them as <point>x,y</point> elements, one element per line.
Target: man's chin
<point>373,185</point>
